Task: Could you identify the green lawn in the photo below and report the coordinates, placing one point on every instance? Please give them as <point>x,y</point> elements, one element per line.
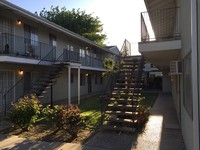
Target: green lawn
<point>149,99</point>
<point>91,111</point>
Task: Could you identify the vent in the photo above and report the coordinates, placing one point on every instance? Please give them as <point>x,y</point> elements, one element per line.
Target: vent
<point>175,67</point>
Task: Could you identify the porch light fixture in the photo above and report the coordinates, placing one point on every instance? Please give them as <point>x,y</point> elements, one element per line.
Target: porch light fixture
<point>86,75</point>
<point>20,72</point>
<point>19,22</point>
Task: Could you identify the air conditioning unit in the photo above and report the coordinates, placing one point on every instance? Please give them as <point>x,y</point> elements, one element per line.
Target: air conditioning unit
<point>175,67</point>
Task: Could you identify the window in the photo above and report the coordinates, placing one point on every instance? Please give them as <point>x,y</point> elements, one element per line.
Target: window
<point>82,53</point>
<point>52,40</point>
<point>187,85</point>
<point>31,34</point>
<point>82,79</point>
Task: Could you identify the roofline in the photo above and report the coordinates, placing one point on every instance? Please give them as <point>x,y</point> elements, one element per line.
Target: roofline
<point>50,24</point>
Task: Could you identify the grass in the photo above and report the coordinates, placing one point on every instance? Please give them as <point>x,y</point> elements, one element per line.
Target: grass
<point>45,131</point>
<point>149,99</point>
<point>91,111</point>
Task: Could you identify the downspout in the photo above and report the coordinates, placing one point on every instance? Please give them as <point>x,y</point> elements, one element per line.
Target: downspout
<point>195,73</point>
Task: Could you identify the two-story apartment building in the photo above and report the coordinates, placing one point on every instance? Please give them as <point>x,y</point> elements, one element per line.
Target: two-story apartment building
<point>38,56</point>
<point>170,40</point>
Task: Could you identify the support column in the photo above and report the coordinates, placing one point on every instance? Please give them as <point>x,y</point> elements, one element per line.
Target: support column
<point>195,72</point>
<point>69,85</point>
<point>79,85</point>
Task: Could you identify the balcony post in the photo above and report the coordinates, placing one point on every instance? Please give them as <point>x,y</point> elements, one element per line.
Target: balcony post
<point>79,85</point>
<point>69,85</point>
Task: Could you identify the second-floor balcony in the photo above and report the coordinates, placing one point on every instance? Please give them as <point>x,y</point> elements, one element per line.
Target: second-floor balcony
<point>160,25</point>
<point>12,45</point>
<point>75,57</point>
<point>160,36</point>
<point>18,49</point>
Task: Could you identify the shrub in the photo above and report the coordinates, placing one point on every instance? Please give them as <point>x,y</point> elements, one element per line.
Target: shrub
<point>64,117</point>
<point>24,113</point>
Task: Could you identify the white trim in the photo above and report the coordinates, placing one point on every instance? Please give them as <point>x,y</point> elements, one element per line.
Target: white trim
<point>14,81</point>
<point>194,74</point>
<point>13,59</point>
<point>92,68</point>
<point>79,85</point>
<point>69,85</point>
<point>159,46</point>
<point>52,25</point>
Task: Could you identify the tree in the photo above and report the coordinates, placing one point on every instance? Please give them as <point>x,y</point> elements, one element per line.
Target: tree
<point>76,21</point>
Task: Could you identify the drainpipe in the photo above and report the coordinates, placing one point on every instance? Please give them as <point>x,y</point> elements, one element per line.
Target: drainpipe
<point>195,73</point>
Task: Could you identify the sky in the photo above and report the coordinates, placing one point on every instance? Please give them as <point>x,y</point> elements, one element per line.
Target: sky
<point>120,18</point>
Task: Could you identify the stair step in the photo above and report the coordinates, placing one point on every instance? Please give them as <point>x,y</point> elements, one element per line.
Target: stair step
<point>128,94</point>
<point>40,96</point>
<point>127,80</point>
<point>129,84</point>
<point>121,113</point>
<point>126,89</point>
<point>122,99</point>
<point>44,92</point>
<point>121,120</point>
<point>123,106</point>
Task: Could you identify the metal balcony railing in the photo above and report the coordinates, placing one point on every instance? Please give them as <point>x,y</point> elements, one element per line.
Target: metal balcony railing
<point>22,47</point>
<point>86,60</point>
<point>160,25</point>
<point>19,88</point>
<point>91,61</point>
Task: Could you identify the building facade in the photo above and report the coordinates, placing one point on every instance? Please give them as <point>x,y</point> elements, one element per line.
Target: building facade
<point>38,56</point>
<point>170,40</point>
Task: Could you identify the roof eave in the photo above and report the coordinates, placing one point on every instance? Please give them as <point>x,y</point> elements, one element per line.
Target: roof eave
<point>50,24</point>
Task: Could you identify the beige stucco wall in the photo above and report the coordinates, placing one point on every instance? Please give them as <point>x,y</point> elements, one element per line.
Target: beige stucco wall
<point>186,120</point>
<point>175,79</point>
<point>60,88</point>
<point>166,83</point>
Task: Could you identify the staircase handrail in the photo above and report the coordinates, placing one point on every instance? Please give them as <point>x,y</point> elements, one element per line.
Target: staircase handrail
<point>21,80</point>
<point>52,63</point>
<point>140,69</point>
<point>111,76</point>
<point>137,80</point>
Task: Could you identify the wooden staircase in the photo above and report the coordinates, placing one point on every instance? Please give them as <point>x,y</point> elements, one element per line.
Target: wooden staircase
<point>122,108</point>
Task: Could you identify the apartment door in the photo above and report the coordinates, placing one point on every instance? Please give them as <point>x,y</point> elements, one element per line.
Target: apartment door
<point>6,82</point>
<point>89,83</point>
<point>27,81</point>
<point>6,38</point>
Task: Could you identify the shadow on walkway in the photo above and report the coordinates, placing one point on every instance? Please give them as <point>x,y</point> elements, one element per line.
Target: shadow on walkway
<point>161,132</point>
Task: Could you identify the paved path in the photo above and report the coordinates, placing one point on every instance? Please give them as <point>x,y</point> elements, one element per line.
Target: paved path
<point>161,133</point>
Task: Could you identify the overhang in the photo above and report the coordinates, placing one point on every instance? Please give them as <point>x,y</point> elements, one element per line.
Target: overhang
<point>161,53</point>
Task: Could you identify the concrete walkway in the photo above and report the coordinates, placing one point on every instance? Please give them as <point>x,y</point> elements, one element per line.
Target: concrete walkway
<point>161,133</point>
